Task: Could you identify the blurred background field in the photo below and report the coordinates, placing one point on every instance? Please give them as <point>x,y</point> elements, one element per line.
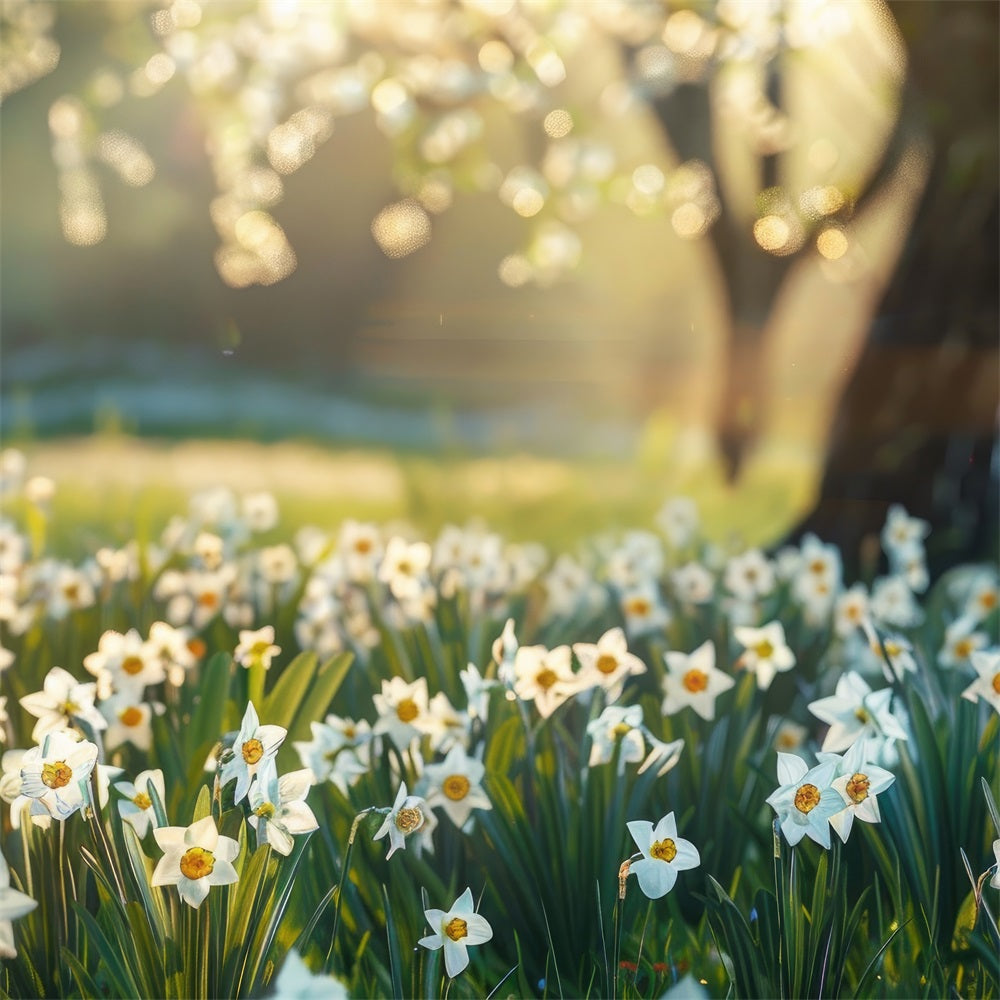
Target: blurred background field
<point>548,263</point>
<point>110,486</point>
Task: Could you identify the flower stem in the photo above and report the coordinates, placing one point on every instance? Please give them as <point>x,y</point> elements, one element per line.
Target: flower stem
<point>345,867</point>
<point>255,684</point>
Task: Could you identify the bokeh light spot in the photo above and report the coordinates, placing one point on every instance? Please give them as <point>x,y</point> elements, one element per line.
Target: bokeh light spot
<point>558,123</point>
<point>401,228</point>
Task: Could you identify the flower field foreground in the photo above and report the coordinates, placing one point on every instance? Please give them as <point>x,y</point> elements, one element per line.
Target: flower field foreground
<point>246,760</point>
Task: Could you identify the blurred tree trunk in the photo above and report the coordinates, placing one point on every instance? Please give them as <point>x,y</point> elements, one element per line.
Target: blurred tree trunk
<point>916,424</point>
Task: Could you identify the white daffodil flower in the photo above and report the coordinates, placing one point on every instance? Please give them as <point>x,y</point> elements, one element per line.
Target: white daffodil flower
<point>678,519</point>
<point>902,534</point>
<point>125,662</point>
<point>765,652</point>
<point>57,772</point>
<point>544,676</point>
<point>607,663</point>
<point>254,744</point>
<point>62,702</point>
<point>136,805</point>
<point>617,724</point>
<point>643,609</point>
<point>409,813</point>
<point>504,650</point>
<point>854,712</point>
<point>256,648</point>
<point>892,603</point>
<point>960,642</point>
<point>295,981</point>
<point>455,785</point>
<point>278,807</point>
<point>13,905</point>
<point>692,681</point>
<point>195,858</point>
<point>859,782</point>
<point>664,854</point>
<point>805,799</point>
<point>455,930</point>
<point>477,691</point>
<point>338,751</point>
<point>402,710</point>
<point>662,756</point>
<point>986,686</point>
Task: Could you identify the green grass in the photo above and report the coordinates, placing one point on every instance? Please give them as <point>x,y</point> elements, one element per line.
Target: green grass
<point>112,488</point>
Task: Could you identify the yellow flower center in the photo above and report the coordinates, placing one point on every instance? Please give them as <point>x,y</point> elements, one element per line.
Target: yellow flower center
<point>695,680</point>
<point>197,863</point>
<point>663,850</point>
<point>817,566</point>
<point>197,648</point>
<point>621,729</point>
<point>857,787</point>
<point>71,591</point>
<point>638,607</point>
<point>142,800</point>
<point>456,928</point>
<point>988,599</point>
<point>764,649</point>
<point>545,678</point>
<point>56,774</point>
<point>132,665</point>
<point>861,714</point>
<point>208,599</point>
<point>807,798</point>
<point>404,567</point>
<point>362,546</point>
<point>409,819</point>
<point>70,708</point>
<point>996,683</point>
<point>265,809</point>
<point>253,750</point>
<point>456,787</point>
<point>963,648</point>
<point>607,664</point>
<point>407,710</point>
<point>130,716</point>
